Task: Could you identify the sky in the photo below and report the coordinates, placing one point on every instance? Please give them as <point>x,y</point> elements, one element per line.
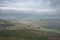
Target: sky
<point>30,6</point>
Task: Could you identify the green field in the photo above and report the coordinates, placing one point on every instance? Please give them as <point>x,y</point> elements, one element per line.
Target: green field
<point>21,35</point>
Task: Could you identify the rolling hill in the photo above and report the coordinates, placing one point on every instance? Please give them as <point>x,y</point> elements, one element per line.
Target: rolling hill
<point>27,30</point>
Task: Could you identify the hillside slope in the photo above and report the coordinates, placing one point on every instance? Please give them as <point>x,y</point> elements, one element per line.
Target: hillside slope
<point>26,30</point>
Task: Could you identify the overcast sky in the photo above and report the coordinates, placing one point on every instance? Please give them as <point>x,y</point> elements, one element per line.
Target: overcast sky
<point>31,5</point>
<point>28,6</point>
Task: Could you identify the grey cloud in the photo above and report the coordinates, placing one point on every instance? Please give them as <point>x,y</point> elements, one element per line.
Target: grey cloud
<point>55,3</point>
<point>2,1</point>
<point>34,4</point>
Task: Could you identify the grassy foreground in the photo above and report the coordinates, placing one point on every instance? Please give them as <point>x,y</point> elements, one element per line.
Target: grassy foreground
<point>20,35</point>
